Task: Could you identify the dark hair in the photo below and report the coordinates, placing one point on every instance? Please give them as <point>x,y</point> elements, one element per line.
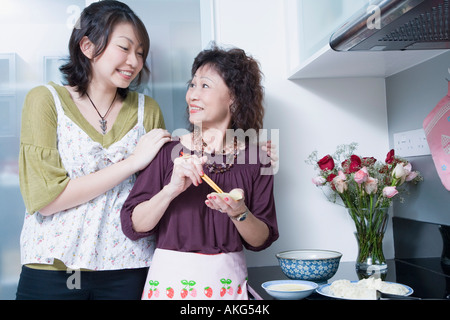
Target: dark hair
<point>242,76</point>
<point>97,22</point>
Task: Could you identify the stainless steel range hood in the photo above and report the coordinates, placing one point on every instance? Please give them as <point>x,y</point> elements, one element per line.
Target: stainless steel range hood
<point>385,25</point>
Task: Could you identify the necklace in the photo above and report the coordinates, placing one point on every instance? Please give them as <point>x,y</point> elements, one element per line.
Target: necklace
<point>103,122</point>
<point>214,167</point>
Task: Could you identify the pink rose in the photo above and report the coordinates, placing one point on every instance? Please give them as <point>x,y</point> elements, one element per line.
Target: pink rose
<point>389,192</point>
<point>361,175</point>
<point>342,175</point>
<point>407,167</point>
<point>371,185</point>
<point>412,175</point>
<point>340,182</point>
<point>319,181</point>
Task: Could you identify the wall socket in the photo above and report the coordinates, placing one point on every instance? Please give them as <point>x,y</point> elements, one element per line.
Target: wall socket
<point>411,143</point>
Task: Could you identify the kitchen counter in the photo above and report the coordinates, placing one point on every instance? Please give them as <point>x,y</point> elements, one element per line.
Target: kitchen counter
<point>426,276</point>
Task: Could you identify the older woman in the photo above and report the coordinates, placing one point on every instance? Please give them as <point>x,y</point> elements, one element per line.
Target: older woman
<point>201,235</point>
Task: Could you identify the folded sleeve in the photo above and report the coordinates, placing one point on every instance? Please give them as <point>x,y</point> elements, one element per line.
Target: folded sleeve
<point>148,183</point>
<point>42,175</point>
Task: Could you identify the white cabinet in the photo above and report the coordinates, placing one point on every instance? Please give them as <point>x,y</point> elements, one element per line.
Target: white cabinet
<point>7,94</point>
<point>51,69</point>
<point>309,26</point>
<point>7,73</point>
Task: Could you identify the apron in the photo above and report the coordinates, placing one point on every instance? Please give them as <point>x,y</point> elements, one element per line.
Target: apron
<point>194,276</point>
<point>88,236</point>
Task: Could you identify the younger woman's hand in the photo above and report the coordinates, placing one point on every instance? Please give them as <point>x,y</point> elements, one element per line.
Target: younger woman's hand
<point>272,152</point>
<point>148,147</point>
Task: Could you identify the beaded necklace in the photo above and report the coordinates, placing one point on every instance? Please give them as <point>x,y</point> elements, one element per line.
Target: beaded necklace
<point>212,166</point>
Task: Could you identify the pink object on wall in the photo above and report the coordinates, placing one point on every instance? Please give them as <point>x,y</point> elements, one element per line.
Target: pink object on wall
<point>437,131</point>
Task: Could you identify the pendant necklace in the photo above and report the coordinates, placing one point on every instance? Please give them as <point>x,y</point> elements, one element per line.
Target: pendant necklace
<point>103,121</point>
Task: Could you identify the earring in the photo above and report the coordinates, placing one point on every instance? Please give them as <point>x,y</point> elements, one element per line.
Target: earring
<point>233,108</point>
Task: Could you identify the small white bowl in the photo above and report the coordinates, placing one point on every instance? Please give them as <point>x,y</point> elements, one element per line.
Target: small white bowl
<point>289,289</point>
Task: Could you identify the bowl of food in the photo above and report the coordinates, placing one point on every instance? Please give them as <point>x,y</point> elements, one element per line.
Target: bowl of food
<point>310,265</point>
<point>289,289</point>
<point>365,289</point>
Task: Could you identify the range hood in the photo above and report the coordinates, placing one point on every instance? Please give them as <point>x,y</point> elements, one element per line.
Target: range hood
<point>385,25</point>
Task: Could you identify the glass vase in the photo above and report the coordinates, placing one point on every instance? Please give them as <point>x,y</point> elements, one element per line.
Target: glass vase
<point>370,226</point>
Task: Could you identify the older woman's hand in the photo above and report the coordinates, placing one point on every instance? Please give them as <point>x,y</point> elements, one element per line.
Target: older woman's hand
<point>186,171</point>
<point>229,205</point>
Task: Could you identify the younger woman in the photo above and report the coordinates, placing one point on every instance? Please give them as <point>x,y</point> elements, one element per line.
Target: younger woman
<point>79,152</point>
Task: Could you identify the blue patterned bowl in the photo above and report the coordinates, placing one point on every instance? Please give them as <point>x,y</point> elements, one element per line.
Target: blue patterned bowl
<point>311,265</point>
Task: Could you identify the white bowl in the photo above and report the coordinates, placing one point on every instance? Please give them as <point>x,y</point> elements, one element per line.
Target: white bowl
<point>289,289</point>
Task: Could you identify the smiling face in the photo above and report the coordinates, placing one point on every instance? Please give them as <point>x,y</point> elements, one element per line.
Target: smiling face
<point>122,59</point>
<point>209,99</point>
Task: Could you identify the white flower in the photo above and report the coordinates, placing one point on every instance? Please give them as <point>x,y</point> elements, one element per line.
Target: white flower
<point>400,172</point>
<point>371,185</point>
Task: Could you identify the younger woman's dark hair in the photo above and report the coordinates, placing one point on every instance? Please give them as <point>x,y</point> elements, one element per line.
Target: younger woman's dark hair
<point>242,76</point>
<point>97,22</point>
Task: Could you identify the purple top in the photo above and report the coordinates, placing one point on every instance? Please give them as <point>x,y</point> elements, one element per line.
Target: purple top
<point>188,225</point>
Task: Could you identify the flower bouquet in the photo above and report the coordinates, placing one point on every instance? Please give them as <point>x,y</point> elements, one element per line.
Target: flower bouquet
<point>366,187</point>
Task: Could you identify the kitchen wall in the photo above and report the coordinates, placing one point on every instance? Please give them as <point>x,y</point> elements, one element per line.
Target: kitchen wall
<point>411,96</point>
<point>316,114</point>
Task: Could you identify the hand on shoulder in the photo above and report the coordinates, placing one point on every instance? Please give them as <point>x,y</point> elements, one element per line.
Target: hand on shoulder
<point>148,147</point>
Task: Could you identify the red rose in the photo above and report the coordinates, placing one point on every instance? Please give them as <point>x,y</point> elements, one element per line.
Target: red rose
<point>390,156</point>
<point>355,159</point>
<point>355,163</point>
<point>351,165</point>
<point>345,166</point>
<point>368,161</point>
<point>326,163</point>
<point>331,177</point>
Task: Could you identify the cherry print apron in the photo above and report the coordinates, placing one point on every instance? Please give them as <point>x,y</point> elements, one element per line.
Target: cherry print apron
<point>193,276</point>
<point>88,236</point>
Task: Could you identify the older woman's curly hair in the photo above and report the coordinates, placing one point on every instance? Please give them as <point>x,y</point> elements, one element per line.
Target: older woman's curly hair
<point>242,76</point>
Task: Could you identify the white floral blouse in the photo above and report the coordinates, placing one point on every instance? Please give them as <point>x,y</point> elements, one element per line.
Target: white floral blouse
<point>88,236</point>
